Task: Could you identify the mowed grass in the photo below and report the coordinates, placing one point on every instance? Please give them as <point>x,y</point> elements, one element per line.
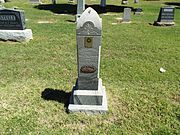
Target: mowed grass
<point>141,100</point>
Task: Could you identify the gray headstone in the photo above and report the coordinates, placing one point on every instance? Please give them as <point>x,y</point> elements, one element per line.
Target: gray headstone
<point>80,8</point>
<point>103,3</point>
<point>88,93</point>
<point>127,15</point>
<point>11,19</point>
<point>166,17</point>
<point>166,14</point>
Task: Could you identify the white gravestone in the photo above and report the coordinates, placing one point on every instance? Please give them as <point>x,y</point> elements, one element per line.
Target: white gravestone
<point>127,15</point>
<point>88,94</point>
<point>80,8</point>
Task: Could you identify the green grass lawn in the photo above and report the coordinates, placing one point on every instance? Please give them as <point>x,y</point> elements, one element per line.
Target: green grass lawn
<point>141,100</point>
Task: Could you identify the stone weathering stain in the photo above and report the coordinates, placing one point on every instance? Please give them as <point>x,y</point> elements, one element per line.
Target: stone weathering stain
<point>88,94</point>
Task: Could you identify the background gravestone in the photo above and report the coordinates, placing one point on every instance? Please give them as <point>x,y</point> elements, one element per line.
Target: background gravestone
<point>127,15</point>
<point>11,19</point>
<point>88,94</point>
<point>12,25</point>
<point>80,8</point>
<point>166,16</point>
<point>103,3</point>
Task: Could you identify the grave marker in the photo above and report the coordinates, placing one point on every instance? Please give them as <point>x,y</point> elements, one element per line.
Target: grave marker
<point>127,15</point>
<point>80,8</point>
<point>12,19</point>
<point>166,16</point>
<point>12,25</point>
<point>88,94</point>
<point>103,3</point>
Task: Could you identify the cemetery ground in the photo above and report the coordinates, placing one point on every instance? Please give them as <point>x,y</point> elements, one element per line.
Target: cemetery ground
<point>36,78</point>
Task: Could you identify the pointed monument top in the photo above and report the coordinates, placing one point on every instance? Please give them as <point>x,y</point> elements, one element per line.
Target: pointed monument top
<point>90,15</point>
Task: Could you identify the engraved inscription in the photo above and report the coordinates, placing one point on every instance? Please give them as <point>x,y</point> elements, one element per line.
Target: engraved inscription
<point>7,18</point>
<point>87,69</point>
<point>168,10</point>
<point>88,42</point>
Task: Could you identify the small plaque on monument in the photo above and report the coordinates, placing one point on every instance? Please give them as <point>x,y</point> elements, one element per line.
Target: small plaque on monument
<point>11,19</point>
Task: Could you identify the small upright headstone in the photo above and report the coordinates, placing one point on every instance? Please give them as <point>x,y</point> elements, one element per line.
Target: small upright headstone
<point>127,15</point>
<point>12,25</point>
<point>103,3</point>
<point>166,17</point>
<point>88,94</point>
<point>80,8</point>
<point>35,1</point>
<point>124,2</point>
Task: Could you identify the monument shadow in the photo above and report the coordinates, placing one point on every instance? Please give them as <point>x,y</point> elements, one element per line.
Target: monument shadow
<point>56,95</point>
<point>176,4</point>
<point>72,9</point>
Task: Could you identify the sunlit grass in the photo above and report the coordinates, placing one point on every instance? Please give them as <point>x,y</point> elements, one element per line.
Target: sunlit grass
<point>141,100</point>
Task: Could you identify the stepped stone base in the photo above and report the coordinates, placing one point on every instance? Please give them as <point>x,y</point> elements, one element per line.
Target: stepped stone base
<point>88,101</point>
<point>163,23</point>
<point>16,35</point>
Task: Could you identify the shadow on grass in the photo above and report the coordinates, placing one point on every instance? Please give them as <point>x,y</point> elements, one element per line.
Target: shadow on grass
<point>57,95</point>
<point>177,4</point>
<point>72,9</point>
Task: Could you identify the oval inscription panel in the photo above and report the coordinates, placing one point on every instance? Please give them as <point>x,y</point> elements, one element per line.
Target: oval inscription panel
<point>87,69</point>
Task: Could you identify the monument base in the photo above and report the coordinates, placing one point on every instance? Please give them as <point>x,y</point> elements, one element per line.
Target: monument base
<point>16,35</point>
<point>88,101</point>
<point>163,23</point>
<point>120,20</point>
